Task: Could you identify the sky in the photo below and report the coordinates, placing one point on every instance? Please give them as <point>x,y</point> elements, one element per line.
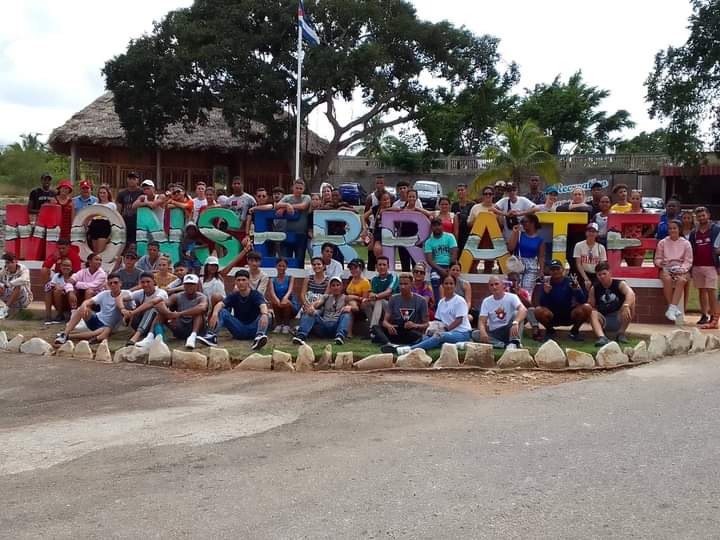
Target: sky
<point>51,52</point>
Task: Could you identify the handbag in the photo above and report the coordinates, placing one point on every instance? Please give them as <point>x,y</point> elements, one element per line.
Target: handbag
<point>514,263</point>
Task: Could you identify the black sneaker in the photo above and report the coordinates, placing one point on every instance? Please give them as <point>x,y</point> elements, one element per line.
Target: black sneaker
<point>297,340</point>
<point>339,340</point>
<point>576,337</point>
<point>704,319</point>
<point>620,338</point>
<point>61,338</point>
<point>602,341</point>
<point>259,342</point>
<point>208,339</point>
<point>389,348</point>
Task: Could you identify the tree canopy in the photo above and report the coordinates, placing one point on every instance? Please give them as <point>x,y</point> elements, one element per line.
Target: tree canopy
<point>569,113</point>
<point>684,87</point>
<point>653,142</point>
<point>240,55</point>
<point>22,163</point>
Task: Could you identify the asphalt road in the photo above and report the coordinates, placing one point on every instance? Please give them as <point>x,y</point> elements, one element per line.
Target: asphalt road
<point>129,452</point>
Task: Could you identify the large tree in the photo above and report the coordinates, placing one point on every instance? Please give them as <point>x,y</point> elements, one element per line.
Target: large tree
<point>653,142</point>
<point>684,87</point>
<point>569,113</point>
<point>240,55</point>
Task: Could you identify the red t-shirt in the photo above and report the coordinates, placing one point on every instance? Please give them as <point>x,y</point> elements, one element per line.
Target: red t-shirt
<point>53,260</point>
<point>703,255</point>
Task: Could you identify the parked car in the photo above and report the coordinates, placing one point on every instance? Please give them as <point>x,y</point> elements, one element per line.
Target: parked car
<point>653,205</point>
<point>429,193</point>
<point>353,193</point>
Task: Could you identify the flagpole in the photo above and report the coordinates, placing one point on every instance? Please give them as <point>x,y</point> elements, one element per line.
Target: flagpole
<point>299,101</point>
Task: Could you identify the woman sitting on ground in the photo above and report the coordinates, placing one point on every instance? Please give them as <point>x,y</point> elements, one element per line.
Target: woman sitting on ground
<point>282,298</point>
<point>89,281</point>
<point>463,289</point>
<point>316,284</point>
<point>358,288</point>
<point>674,258</point>
<point>452,313</point>
<point>164,278</point>
<point>57,295</point>
<point>212,282</point>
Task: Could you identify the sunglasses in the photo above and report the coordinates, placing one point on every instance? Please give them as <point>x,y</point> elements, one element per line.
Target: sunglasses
<point>488,194</point>
<point>419,271</point>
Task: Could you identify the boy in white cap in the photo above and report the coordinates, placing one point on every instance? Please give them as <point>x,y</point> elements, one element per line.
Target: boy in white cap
<point>184,312</point>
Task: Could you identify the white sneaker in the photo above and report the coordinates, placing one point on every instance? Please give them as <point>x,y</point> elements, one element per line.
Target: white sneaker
<point>286,329</point>
<point>671,313</point>
<point>146,341</point>
<point>402,350</point>
<point>190,342</point>
<point>511,347</point>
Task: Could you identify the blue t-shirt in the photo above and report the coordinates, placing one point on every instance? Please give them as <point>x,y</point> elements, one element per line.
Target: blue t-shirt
<point>529,246</point>
<point>440,248</point>
<point>560,298</point>
<point>79,203</point>
<point>245,309</point>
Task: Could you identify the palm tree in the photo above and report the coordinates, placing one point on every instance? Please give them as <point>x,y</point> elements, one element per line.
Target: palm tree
<point>29,142</point>
<point>523,150</point>
<point>372,145</point>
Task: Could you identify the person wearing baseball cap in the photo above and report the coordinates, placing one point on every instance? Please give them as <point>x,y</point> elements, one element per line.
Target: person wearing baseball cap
<point>184,312</point>
<point>86,198</point>
<point>587,255</point>
<point>41,195</point>
<point>329,315</point>
<point>243,312</point>
<point>152,200</point>
<point>358,288</point>
<point>499,189</point>
<point>562,303</point>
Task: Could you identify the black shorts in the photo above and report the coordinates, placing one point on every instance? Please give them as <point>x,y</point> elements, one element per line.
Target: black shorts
<point>183,328</point>
<point>99,228</point>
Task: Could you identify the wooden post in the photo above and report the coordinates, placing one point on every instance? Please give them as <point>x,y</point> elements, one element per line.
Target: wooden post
<point>158,170</point>
<point>117,177</point>
<point>73,162</point>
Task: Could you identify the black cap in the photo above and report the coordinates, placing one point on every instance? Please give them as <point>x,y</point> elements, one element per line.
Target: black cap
<point>45,175</point>
<point>556,263</point>
<point>357,262</point>
<point>596,185</point>
<point>133,174</point>
<point>131,254</point>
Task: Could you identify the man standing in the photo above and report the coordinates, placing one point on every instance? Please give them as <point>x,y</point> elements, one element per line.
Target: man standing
<point>101,324</point>
<point>142,317</point>
<point>499,189</point>
<point>512,207</point>
<point>184,312</point>
<point>597,192</point>
<point>672,212</point>
<point>562,303</point>
<point>152,200</point>
<point>240,203</point>
<point>297,203</point>
<point>440,252</point>
<point>200,200</point>
<point>613,306</point>
<point>535,195</point>
<point>149,261</point>
<point>125,200</point>
<point>329,315</point>
<point>406,317</point>
<point>382,287</point>
<point>501,317</point>
<point>373,199</point>
<point>41,195</point>
<point>705,265</point>
<point>461,208</point>
<point>86,198</point>
<point>244,313</point>
<point>588,254</point>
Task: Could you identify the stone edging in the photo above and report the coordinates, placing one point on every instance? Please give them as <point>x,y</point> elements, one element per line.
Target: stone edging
<point>478,356</point>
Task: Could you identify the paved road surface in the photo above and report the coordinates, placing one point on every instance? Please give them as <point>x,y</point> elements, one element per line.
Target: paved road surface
<point>128,452</point>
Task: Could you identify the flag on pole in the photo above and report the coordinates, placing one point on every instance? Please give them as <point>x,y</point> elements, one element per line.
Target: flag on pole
<point>308,30</point>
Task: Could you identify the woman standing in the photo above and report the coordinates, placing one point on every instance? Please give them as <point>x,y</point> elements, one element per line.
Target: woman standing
<point>372,220</point>
<point>674,258</point>
<point>447,218</point>
<point>530,248</point>
<point>688,223</point>
<point>100,229</point>
<point>282,298</point>
<point>601,218</point>
<point>67,209</point>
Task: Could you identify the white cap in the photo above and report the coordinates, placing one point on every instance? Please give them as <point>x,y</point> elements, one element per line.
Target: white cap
<point>148,183</point>
<point>212,260</point>
<point>191,278</point>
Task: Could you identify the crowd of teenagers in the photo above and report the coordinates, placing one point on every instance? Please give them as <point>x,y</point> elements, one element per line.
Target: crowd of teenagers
<point>428,303</point>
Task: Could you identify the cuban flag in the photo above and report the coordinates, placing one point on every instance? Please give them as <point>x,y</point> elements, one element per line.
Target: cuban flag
<point>308,31</point>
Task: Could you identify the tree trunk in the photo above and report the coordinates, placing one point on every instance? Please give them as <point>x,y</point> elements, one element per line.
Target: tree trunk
<point>323,167</point>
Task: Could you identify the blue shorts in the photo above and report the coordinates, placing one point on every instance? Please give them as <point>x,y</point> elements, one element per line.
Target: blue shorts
<point>94,323</point>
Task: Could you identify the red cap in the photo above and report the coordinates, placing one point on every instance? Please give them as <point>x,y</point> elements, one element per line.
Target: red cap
<point>85,184</point>
<point>65,183</point>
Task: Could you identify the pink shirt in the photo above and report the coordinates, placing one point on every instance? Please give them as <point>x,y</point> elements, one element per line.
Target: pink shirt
<point>86,280</point>
<point>671,253</point>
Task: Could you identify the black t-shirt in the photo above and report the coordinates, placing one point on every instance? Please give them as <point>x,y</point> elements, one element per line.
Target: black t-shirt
<point>126,198</point>
<point>244,308</point>
<point>38,197</point>
<point>610,299</point>
<point>462,214</point>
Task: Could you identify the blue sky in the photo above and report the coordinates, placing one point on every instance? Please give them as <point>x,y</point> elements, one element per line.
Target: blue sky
<point>51,52</point>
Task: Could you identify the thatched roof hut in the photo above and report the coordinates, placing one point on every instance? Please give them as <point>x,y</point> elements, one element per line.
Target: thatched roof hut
<point>99,125</point>
<point>98,148</point>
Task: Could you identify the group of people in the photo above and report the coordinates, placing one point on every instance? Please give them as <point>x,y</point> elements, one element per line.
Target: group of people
<point>424,306</point>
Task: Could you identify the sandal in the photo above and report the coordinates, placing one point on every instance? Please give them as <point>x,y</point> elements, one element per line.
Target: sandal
<point>712,325</point>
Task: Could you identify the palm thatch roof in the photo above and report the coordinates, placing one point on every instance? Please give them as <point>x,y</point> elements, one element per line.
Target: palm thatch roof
<point>99,125</point>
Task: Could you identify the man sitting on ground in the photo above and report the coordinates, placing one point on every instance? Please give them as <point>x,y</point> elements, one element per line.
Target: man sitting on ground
<point>382,287</point>
<point>142,318</point>
<point>406,317</point>
<point>258,279</point>
<point>613,306</point>
<point>329,315</point>
<point>149,261</point>
<point>333,268</point>
<point>130,273</point>
<point>101,324</point>
<point>244,313</point>
<point>52,263</point>
<point>15,283</point>
<point>502,315</point>
<point>184,312</point>
<point>562,303</point>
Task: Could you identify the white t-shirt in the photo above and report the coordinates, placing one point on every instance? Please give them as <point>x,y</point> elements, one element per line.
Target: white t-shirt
<point>589,258</point>
<point>197,205</point>
<point>108,204</point>
<point>334,269</point>
<point>109,314</point>
<point>139,296</point>
<point>401,204</point>
<point>522,204</point>
<point>501,312</point>
<point>449,310</point>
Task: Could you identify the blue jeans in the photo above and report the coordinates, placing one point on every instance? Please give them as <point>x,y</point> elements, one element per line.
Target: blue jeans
<point>322,327</point>
<point>454,336</point>
<point>240,330</point>
<point>295,251</point>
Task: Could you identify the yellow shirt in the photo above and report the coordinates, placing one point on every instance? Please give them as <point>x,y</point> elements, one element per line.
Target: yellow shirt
<point>621,208</point>
<point>165,282</point>
<point>360,288</point>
